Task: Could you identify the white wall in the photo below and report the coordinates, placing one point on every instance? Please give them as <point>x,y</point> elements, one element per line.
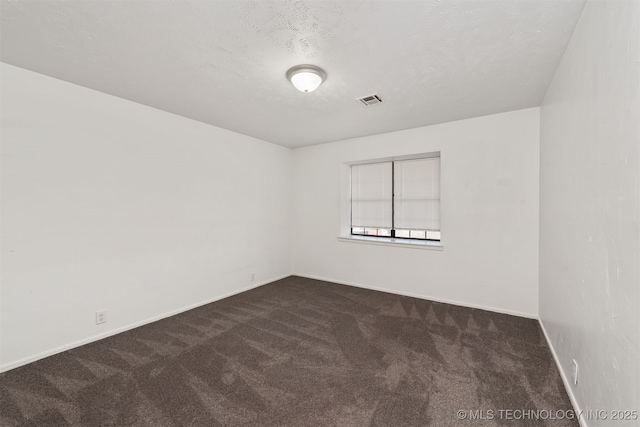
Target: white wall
<point>489,214</point>
<point>589,209</point>
<point>108,204</point>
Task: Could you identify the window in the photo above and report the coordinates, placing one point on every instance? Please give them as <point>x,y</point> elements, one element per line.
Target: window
<point>397,199</point>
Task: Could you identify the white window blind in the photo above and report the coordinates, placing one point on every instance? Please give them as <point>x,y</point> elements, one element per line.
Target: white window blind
<point>371,195</point>
<point>417,194</point>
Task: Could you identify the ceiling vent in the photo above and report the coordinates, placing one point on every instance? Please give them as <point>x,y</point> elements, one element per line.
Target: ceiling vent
<point>370,100</point>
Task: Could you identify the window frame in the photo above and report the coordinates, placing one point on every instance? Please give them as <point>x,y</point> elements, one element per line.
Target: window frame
<point>392,238</point>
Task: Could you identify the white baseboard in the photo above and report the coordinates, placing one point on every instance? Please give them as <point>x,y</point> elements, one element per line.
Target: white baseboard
<point>565,378</point>
<point>60,349</point>
<point>425,297</point>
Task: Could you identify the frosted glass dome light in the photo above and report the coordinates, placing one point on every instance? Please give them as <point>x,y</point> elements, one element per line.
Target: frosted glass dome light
<point>306,78</point>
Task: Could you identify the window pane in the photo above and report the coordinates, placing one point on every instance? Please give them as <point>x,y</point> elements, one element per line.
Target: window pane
<point>417,234</point>
<point>357,230</point>
<point>384,232</point>
<point>371,231</point>
<point>433,235</point>
<point>403,234</point>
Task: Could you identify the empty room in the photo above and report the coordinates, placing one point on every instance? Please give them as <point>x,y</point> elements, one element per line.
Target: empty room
<point>320,213</point>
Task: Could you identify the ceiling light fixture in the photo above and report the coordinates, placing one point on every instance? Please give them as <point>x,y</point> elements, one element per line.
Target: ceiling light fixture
<point>306,78</point>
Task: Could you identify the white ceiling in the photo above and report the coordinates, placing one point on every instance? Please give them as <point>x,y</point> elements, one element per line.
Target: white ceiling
<point>224,62</point>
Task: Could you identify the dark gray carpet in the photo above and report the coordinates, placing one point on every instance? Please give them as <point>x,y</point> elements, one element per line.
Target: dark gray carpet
<point>298,352</point>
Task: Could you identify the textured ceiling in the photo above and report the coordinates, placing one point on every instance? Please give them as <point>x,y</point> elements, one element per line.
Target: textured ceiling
<point>224,62</point>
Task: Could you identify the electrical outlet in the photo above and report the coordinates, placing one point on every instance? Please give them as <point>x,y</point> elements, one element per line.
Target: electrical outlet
<point>574,371</point>
<point>253,276</point>
<point>101,317</point>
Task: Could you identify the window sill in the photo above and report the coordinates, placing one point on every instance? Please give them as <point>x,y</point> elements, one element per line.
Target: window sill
<point>385,241</point>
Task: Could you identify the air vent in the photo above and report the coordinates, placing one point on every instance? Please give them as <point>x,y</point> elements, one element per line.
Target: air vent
<point>370,100</point>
